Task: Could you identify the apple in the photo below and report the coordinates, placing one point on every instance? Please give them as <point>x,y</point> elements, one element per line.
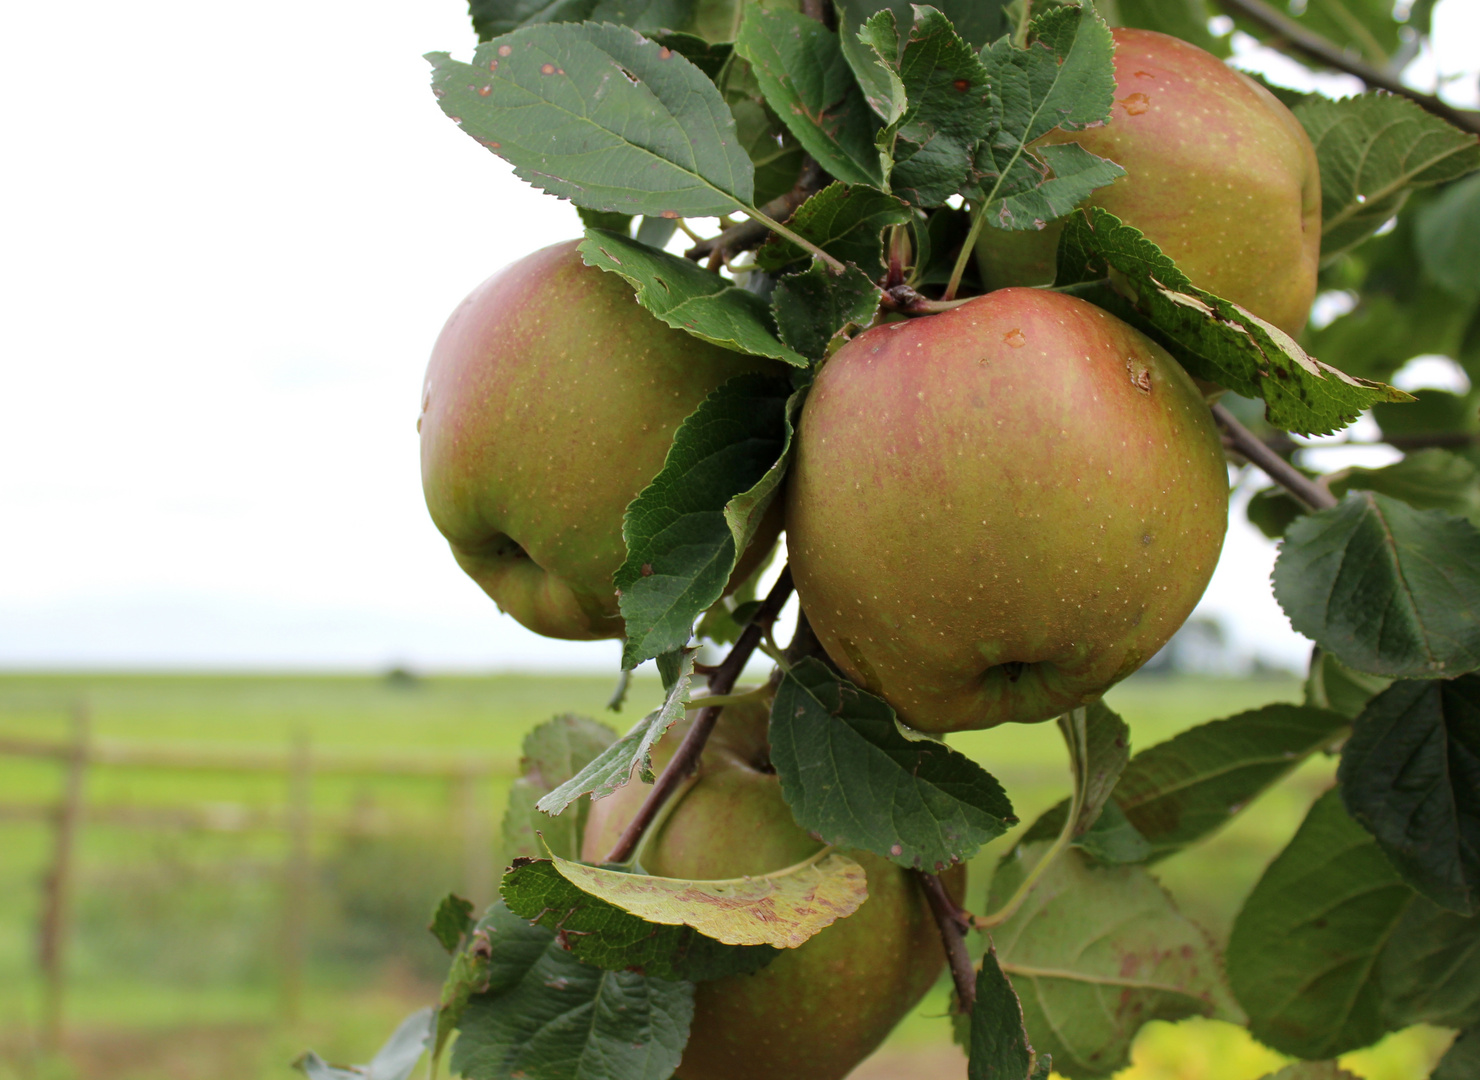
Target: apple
<point>814,1011</point>
<point>998,512</point>
<point>1218,173</point>
<point>549,404</point>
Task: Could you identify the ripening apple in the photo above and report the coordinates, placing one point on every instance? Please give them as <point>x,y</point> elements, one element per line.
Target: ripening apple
<point>817,1010</point>
<point>549,404</point>
<point>1218,173</point>
<point>998,512</point>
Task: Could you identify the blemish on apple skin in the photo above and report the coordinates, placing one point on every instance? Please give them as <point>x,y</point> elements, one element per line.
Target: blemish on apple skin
<point>1135,104</point>
<point>1015,338</point>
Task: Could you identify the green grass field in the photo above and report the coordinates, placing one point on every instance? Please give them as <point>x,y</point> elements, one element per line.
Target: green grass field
<point>175,943</point>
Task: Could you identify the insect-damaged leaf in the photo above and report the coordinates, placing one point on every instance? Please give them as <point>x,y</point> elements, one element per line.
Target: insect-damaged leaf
<point>1213,338</point>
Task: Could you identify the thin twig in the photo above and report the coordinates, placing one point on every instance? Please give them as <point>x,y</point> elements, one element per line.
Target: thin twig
<point>953,924</point>
<point>751,233</point>
<point>1302,40</point>
<point>686,758</point>
<point>1275,467</point>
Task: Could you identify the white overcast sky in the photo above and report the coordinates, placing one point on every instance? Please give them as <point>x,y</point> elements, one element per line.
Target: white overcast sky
<point>230,236</point>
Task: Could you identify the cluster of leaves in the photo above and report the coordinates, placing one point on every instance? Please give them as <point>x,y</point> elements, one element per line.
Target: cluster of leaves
<point>665,110</point>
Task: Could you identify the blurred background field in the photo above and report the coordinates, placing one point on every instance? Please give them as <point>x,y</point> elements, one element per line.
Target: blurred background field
<point>256,858</point>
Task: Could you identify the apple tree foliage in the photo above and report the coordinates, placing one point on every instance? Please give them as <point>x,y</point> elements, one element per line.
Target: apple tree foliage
<point>868,142</point>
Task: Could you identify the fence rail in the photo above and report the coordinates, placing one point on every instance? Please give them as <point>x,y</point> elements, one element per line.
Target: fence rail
<point>298,764</point>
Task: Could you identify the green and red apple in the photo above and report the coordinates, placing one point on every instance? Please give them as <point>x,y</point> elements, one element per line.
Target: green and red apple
<point>1218,173</point>
<point>998,512</point>
<point>549,404</point>
<point>815,1011</point>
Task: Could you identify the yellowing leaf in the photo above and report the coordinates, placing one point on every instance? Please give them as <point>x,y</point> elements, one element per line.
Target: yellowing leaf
<point>782,909</point>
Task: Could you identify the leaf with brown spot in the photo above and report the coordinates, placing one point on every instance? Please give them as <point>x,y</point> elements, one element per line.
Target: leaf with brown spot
<point>783,909</point>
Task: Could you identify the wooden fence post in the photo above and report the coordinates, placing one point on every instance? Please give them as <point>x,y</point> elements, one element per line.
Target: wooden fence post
<point>297,877</point>
<point>56,905</point>
<point>476,828</point>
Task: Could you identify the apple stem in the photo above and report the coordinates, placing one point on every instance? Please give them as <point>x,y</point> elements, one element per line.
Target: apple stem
<point>953,924</point>
<point>1251,447</point>
<point>686,758</point>
<point>967,247</point>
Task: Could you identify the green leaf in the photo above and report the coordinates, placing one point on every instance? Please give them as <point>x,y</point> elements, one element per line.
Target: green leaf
<point>1334,686</point>
<point>1449,238</point>
<point>1213,338</point>
<point>1387,589</point>
<point>1429,970</point>
<point>681,545</point>
<point>1094,953</point>
<point>493,17</point>
<point>805,79</point>
<point>999,1041</point>
<point>611,768</point>
<point>1373,150</point>
<point>846,222</point>
<point>603,935</point>
<point>708,57</point>
<point>548,1016</point>
<point>816,306</point>
<point>1065,79</point>
<point>470,974</point>
<point>781,909</point>
<point>949,105</point>
<point>1410,773</point>
<point>601,116</point>
<point>745,512</point>
<point>851,777</point>
<point>773,150</point>
<point>1112,838</point>
<point>600,219</point>
<point>394,1061</point>
<point>452,919</point>
<point>1312,1070</point>
<point>1430,479</point>
<point>1302,957</point>
<point>1076,174</point>
<point>1431,412</point>
<point>1462,1061</point>
<point>688,297</point>
<point>1100,761</point>
<point>553,753</point>
<point>1178,792</point>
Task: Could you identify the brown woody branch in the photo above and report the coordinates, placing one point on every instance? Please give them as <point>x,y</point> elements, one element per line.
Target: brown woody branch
<point>721,681</point>
<point>953,924</point>
<point>1291,36</point>
<point>751,234</point>
<point>1253,449</point>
